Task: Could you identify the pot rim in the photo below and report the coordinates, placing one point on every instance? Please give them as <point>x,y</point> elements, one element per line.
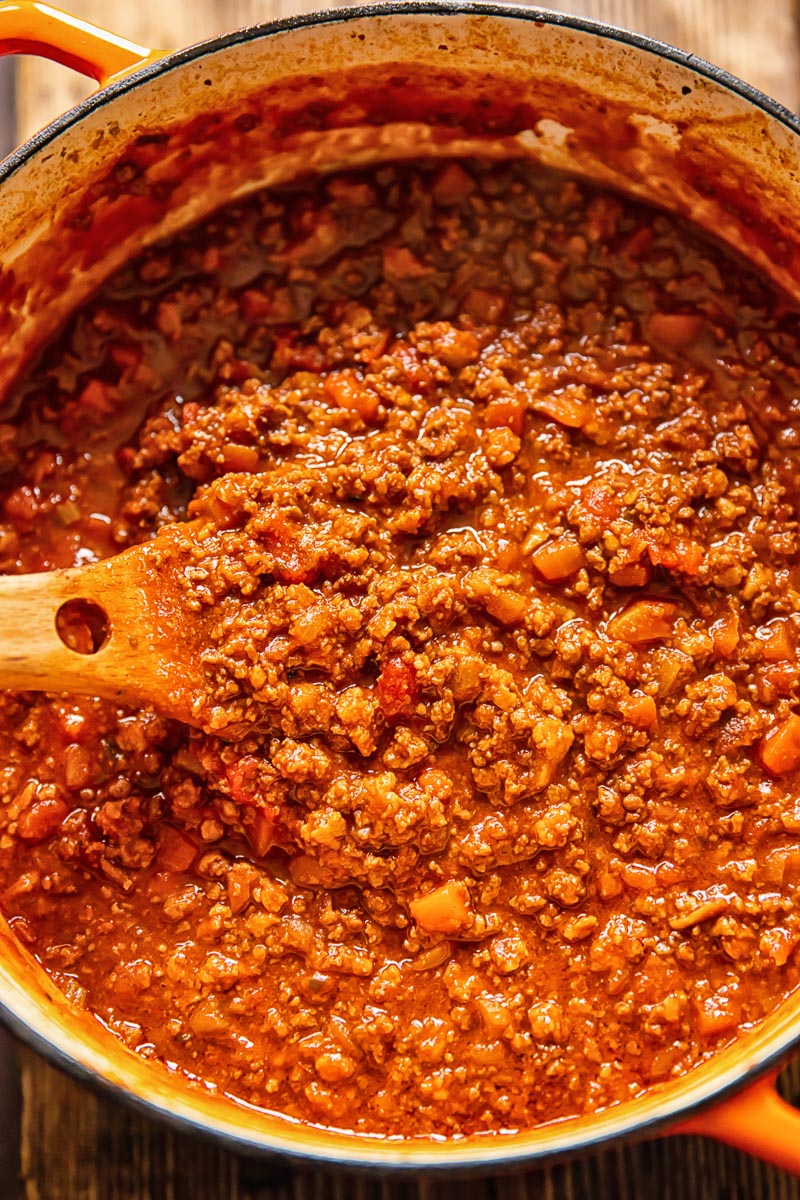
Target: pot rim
<point>494,1152</point>
<point>511,11</point>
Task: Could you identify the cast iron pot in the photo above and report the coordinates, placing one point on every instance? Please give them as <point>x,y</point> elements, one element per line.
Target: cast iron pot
<point>168,137</point>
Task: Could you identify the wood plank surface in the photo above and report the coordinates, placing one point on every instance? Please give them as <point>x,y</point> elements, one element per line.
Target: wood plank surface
<point>79,1146</point>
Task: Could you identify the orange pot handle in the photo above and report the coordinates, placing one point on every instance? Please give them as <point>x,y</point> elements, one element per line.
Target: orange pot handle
<point>31,27</point>
<point>757,1120</point>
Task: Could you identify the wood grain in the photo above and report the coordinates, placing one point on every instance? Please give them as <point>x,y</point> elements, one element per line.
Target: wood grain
<point>79,1146</point>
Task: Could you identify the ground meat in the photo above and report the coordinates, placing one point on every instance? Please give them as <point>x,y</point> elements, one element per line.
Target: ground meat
<point>490,528</point>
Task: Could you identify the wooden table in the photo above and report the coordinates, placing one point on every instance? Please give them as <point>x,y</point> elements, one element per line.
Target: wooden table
<point>72,1145</point>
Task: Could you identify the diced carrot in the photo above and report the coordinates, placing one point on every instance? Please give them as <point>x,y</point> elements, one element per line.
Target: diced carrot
<point>176,851</point>
<point>779,751</point>
<point>456,348</point>
<point>640,710</point>
<point>558,558</point>
<point>775,641</point>
<point>565,410</point>
<point>508,412</point>
<point>639,876</point>
<point>240,458</point>
<point>444,910</point>
<point>717,1014</point>
<point>347,389</point>
<point>781,865</point>
<point>691,556</point>
<point>506,606</point>
<point>725,635</point>
<point>675,330</point>
<point>644,621</point>
<point>631,575</point>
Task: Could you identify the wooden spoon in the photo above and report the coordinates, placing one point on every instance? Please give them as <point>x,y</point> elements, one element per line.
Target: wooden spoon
<point>146,653</point>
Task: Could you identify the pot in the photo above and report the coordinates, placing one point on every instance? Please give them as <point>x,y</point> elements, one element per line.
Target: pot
<point>169,137</point>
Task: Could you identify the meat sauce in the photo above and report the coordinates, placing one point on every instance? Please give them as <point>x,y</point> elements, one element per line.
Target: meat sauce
<point>493,487</point>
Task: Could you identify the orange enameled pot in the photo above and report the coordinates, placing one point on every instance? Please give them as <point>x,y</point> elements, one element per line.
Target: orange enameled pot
<point>169,137</point>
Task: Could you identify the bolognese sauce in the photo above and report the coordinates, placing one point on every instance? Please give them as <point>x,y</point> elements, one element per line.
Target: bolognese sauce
<point>492,487</point>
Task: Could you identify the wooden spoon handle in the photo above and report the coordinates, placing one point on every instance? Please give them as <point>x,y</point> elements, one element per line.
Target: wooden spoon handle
<point>150,654</point>
<point>32,655</point>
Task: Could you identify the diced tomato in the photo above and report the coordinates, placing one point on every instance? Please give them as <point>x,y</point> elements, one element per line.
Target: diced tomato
<point>261,829</point>
<point>417,375</point>
<point>254,305</point>
<point>307,357</point>
<point>679,553</point>
<point>401,263</point>
<point>98,396</point>
<point>444,910</point>
<point>176,850</point>
<point>375,347</point>
<point>398,690</point>
<point>558,558</point>
<point>483,305</point>
<point>41,819</point>
<point>242,777</point>
<point>600,501</point>
<point>779,751</point>
<point>638,242</point>
<point>126,355</point>
<point>292,562</point>
<point>644,621</point>
<point>347,389</point>
<point>456,348</point>
<point>777,679</point>
<point>190,412</point>
<point>238,370</point>
<point>169,320</point>
<point>508,412</point>
<point>677,331</point>
<point>287,355</point>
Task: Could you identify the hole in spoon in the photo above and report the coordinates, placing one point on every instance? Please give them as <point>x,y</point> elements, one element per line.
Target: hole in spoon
<point>83,626</point>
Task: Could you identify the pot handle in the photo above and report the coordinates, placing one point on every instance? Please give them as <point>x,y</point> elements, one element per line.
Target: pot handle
<point>757,1120</point>
<point>32,27</point>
